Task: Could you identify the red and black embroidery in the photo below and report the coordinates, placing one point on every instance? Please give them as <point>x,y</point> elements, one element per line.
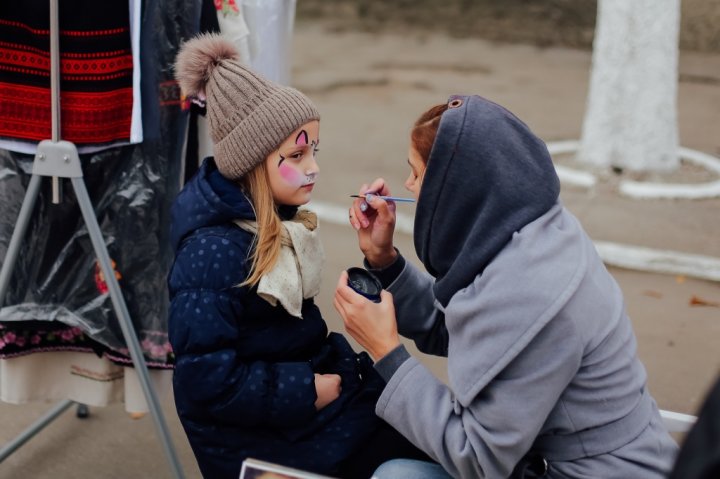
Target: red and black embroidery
<point>96,68</point>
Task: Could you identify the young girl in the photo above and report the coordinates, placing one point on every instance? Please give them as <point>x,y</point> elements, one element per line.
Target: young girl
<point>257,374</point>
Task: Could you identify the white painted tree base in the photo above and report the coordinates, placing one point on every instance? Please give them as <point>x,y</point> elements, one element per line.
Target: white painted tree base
<point>631,114</point>
<point>641,189</point>
<point>638,189</point>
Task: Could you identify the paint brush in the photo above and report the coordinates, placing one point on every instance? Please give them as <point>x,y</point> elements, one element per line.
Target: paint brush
<point>369,196</point>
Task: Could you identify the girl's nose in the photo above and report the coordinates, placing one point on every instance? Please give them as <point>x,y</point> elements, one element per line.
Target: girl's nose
<point>312,166</point>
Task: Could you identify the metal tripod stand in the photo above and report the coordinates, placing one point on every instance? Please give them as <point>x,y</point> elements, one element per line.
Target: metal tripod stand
<point>59,159</point>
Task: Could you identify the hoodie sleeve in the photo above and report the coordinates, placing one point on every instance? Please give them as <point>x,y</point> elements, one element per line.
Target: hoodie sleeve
<point>211,377</point>
<point>416,310</point>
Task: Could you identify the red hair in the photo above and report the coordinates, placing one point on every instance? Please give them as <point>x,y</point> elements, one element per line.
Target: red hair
<point>425,130</point>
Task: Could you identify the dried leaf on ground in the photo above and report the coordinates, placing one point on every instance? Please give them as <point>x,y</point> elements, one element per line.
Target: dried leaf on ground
<point>698,301</point>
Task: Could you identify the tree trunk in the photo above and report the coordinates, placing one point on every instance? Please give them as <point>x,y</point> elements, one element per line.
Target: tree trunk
<point>631,116</point>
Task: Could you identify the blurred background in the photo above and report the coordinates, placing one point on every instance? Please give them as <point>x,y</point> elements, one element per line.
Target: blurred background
<point>372,67</point>
<point>568,23</point>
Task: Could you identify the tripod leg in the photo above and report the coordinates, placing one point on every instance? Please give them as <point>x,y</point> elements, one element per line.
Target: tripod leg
<point>125,323</point>
<point>18,235</point>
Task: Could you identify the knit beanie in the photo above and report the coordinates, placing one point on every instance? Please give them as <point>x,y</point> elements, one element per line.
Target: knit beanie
<point>249,115</point>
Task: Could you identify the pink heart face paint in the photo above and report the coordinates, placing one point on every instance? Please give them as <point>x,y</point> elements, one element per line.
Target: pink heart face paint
<point>292,169</point>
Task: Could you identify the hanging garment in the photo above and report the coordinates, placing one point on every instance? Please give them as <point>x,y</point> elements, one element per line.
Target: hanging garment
<point>270,24</point>
<point>233,27</point>
<point>99,74</point>
<point>199,145</point>
<point>84,378</point>
<point>58,299</point>
<point>226,17</point>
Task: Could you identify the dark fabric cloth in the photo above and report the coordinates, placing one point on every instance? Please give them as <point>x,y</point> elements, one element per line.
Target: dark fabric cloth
<point>208,24</point>
<point>507,178</point>
<point>389,273</point>
<point>244,376</point>
<point>96,71</point>
<point>57,299</point>
<point>699,457</point>
<point>385,444</point>
<point>387,365</point>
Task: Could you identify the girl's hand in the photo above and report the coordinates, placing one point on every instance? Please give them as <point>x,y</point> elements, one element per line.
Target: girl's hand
<point>376,225</point>
<point>373,325</point>
<point>328,389</point>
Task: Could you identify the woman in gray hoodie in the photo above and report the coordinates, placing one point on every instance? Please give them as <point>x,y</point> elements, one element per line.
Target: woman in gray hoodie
<point>544,378</point>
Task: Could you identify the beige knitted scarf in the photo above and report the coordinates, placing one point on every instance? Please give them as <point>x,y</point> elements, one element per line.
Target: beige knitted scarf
<point>296,275</point>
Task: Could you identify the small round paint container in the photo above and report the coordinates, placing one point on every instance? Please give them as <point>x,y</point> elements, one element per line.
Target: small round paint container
<point>364,283</point>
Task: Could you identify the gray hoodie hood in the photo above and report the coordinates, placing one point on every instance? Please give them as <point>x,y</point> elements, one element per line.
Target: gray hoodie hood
<point>488,176</point>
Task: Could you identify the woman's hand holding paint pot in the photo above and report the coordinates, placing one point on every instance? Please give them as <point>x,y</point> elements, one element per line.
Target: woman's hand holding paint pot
<point>374,220</point>
<point>373,325</point>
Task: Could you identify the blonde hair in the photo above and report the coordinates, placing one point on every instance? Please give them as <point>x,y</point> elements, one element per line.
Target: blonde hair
<point>269,226</point>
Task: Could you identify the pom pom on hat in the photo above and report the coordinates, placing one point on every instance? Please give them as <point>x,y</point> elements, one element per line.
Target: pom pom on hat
<point>249,116</point>
<point>198,58</point>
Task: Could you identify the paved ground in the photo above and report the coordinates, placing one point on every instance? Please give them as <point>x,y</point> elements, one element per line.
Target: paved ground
<point>369,90</point>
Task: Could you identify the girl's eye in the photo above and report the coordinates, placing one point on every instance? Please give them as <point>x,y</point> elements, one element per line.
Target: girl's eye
<point>296,156</point>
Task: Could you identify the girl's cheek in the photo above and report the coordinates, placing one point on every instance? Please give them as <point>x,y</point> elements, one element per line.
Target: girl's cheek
<point>290,175</point>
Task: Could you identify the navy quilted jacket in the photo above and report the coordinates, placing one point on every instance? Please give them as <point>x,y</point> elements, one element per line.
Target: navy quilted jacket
<point>243,381</point>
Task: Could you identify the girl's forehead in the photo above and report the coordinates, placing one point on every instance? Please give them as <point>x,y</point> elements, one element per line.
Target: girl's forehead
<point>305,135</point>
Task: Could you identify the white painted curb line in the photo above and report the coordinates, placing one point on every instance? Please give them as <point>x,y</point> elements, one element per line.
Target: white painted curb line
<point>659,261</point>
<point>614,254</point>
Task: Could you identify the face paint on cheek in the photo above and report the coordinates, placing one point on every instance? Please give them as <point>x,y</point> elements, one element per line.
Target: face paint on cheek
<point>291,175</point>
<point>294,178</point>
